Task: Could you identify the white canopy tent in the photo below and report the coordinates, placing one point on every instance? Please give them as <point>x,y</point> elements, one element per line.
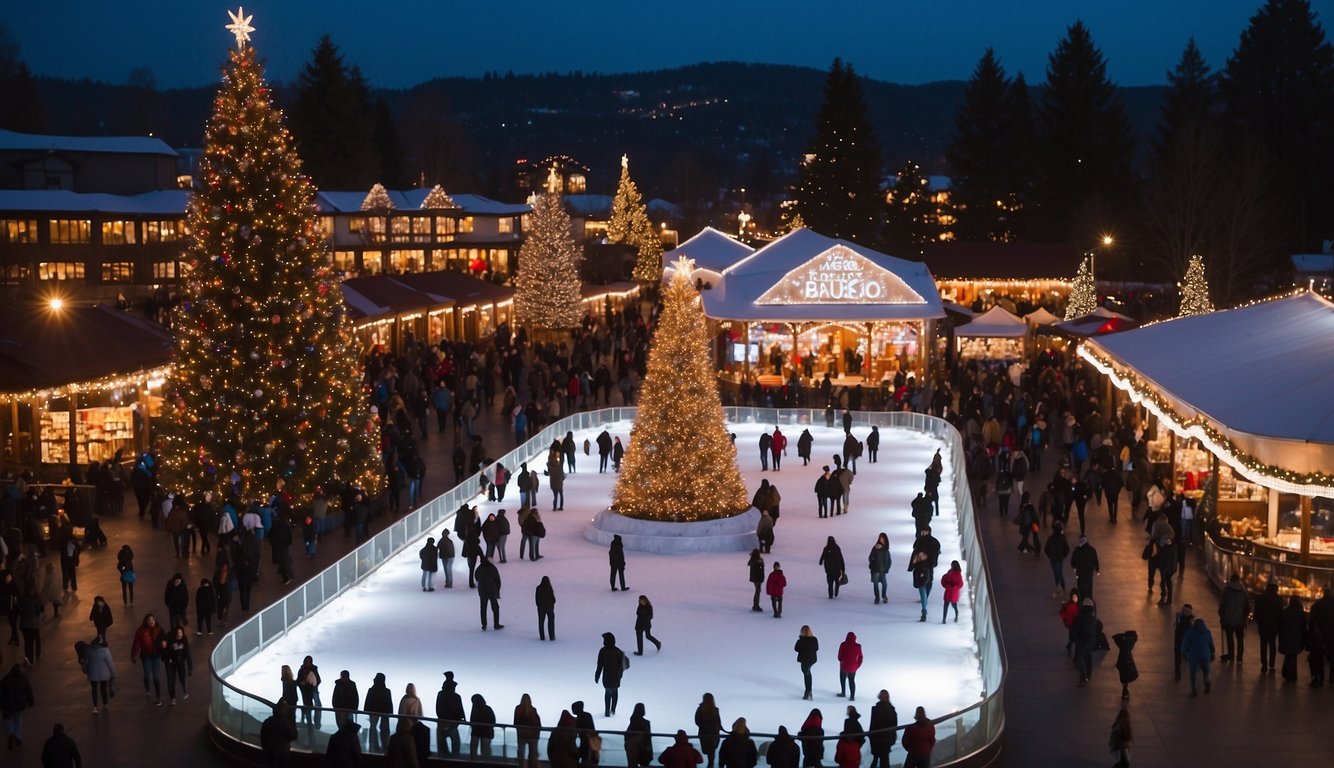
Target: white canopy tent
<point>1041,316</point>
<point>713,251</point>
<point>995,322</point>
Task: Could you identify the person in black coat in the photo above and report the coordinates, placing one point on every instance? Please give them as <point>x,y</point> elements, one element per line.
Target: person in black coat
<point>488,591</point>
<point>812,739</point>
<point>783,751</point>
<point>757,575</point>
<point>1086,630</point>
<point>616,559</point>
<point>276,735</point>
<point>873,444</point>
<point>545,597</point>
<point>344,750</point>
<point>60,750</point>
<point>1292,636</point>
<point>604,450</point>
<point>766,440</point>
<point>449,712</point>
<point>177,598</point>
<point>883,730</point>
<point>472,552</point>
<point>804,443</point>
<point>380,705</point>
<point>345,699</point>
<point>206,605</point>
<point>644,625</point>
<point>807,648</point>
<point>1125,659</point>
<point>612,664</point>
<point>430,561</point>
<point>831,557</point>
<point>280,539</point>
<point>1268,613</point>
<point>1084,560</point>
<point>738,749</point>
<point>823,491</point>
<point>100,616</point>
<point>482,727</point>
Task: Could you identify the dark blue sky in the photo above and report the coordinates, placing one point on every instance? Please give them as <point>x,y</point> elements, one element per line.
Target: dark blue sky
<point>399,43</point>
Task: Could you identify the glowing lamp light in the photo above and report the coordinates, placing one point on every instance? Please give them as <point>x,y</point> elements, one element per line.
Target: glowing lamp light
<point>56,304</point>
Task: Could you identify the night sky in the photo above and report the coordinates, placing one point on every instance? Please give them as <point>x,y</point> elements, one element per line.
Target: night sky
<point>399,43</point>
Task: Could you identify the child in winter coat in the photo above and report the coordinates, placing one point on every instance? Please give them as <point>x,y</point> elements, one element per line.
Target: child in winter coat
<point>952,582</point>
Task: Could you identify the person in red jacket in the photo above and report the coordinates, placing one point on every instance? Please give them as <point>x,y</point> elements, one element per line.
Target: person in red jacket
<point>1068,611</point>
<point>774,587</point>
<point>777,446</point>
<point>919,739</point>
<point>849,661</point>
<point>848,753</point>
<point>681,754</point>
<point>952,582</point>
<point>146,647</point>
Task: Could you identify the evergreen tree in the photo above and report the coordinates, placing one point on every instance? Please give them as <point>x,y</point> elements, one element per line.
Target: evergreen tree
<point>1195,290</point>
<point>20,103</point>
<point>910,218</point>
<point>985,156</point>
<point>1083,297</point>
<point>333,122</point>
<point>679,406</point>
<point>547,287</point>
<point>631,225</point>
<point>266,389</point>
<point>1278,92</point>
<point>388,147</point>
<point>1191,98</point>
<point>1023,148</point>
<point>839,190</point>
<point>1088,150</point>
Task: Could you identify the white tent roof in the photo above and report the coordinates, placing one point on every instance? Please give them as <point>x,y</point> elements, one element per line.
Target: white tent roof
<point>807,276</point>
<point>992,323</point>
<point>1041,316</point>
<point>1259,376</point>
<point>712,250</point>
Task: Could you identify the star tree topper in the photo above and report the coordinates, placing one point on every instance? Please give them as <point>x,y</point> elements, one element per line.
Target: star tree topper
<point>684,266</point>
<point>240,26</point>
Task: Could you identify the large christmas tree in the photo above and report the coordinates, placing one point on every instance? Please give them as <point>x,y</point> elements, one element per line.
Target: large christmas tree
<point>547,287</point>
<point>631,225</point>
<point>681,463</point>
<point>266,391</point>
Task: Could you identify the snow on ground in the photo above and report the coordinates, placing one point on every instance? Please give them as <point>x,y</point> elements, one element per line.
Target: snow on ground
<point>711,639</point>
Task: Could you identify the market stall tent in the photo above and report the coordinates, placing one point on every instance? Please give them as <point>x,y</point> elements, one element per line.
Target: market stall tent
<point>712,251</point>
<point>995,322</point>
<point>1255,382</point>
<point>1041,316</point>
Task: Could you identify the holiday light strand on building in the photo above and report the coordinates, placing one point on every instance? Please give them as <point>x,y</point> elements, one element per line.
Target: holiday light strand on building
<point>377,199</point>
<point>1212,438</point>
<point>437,198</point>
<point>265,391</point>
<point>1083,293</point>
<point>1195,290</point>
<point>148,378</point>
<point>680,465</point>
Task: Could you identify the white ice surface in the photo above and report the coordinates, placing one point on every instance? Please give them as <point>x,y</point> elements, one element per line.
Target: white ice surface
<point>711,639</point>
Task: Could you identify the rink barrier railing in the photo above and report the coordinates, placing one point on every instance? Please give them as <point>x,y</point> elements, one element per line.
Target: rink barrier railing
<point>962,736</point>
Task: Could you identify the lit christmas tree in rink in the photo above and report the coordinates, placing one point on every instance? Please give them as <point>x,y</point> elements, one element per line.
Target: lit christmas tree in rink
<point>1083,294</point>
<point>681,464</point>
<point>1195,290</point>
<point>266,390</point>
<point>547,287</point>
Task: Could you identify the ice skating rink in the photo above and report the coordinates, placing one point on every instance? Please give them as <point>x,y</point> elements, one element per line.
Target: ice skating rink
<point>712,641</point>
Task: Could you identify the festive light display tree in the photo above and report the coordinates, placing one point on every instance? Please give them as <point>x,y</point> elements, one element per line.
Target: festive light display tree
<point>547,287</point>
<point>1195,290</point>
<point>438,198</point>
<point>265,391</point>
<point>680,465</point>
<point>1083,294</point>
<point>630,224</point>
<point>377,199</point>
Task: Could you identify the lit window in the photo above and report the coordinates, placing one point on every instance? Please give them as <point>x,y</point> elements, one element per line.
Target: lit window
<point>67,231</point>
<point>505,225</point>
<point>161,231</point>
<point>465,224</point>
<point>356,224</point>
<point>372,263</point>
<point>12,274</point>
<point>18,230</point>
<point>163,270</point>
<point>344,261</point>
<point>117,271</point>
<point>60,270</point>
<point>577,184</point>
<point>118,232</point>
<point>444,225</point>
<point>407,261</point>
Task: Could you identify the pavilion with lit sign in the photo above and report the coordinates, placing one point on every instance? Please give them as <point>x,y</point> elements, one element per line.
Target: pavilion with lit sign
<point>810,304</point>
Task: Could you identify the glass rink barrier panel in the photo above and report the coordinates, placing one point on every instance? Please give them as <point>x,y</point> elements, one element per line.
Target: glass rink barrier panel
<point>237,715</point>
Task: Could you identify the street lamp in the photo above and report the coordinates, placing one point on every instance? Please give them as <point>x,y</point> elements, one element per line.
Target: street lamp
<point>1107,241</point>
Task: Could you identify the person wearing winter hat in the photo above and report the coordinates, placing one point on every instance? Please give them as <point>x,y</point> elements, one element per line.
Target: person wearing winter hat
<point>380,704</point>
<point>449,713</point>
<point>612,663</point>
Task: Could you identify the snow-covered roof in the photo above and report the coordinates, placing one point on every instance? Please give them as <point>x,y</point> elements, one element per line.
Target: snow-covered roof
<point>336,201</point>
<point>165,202</point>
<point>1313,263</point>
<point>1260,375</point>
<point>1041,316</point>
<point>808,276</point>
<point>124,145</point>
<point>992,323</point>
<point>712,250</point>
